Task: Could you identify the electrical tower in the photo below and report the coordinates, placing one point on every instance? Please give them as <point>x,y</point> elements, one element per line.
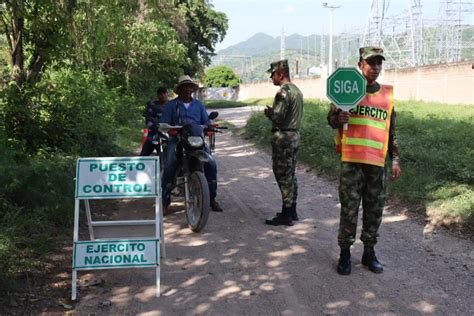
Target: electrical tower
<point>449,43</point>
<point>400,35</point>
<point>373,31</point>
<point>416,33</point>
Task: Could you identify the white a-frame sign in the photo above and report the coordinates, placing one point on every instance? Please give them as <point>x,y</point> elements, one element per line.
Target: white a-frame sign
<point>140,242</point>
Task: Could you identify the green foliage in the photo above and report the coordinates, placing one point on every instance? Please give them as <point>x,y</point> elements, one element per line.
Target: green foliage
<point>223,104</point>
<point>138,55</point>
<point>75,75</point>
<point>70,110</point>
<point>259,128</point>
<point>436,154</point>
<point>37,34</point>
<point>221,76</point>
<point>36,201</point>
<point>204,27</point>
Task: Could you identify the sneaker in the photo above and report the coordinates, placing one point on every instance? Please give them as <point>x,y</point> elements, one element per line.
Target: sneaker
<point>215,207</point>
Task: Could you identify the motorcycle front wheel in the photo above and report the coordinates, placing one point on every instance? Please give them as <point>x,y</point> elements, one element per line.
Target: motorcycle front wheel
<point>197,205</point>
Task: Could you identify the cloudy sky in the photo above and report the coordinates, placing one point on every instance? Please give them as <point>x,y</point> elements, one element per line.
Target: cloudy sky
<point>247,17</point>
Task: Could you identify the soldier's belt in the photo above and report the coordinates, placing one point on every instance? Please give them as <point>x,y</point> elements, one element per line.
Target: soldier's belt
<point>284,130</point>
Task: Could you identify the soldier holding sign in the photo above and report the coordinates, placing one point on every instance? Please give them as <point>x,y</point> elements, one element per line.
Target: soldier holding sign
<point>364,145</point>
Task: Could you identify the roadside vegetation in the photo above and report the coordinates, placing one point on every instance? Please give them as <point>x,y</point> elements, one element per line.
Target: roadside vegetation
<point>436,153</point>
<point>224,104</point>
<point>220,77</point>
<point>72,88</point>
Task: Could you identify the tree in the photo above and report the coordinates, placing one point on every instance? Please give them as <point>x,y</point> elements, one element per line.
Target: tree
<point>221,76</point>
<point>134,44</point>
<point>36,33</point>
<point>203,28</point>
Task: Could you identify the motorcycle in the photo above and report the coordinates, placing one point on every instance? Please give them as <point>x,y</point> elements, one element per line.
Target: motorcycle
<point>191,155</point>
<point>159,141</point>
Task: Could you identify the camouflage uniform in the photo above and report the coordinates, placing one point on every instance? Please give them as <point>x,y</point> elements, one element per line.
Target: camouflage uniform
<point>286,122</point>
<point>364,182</point>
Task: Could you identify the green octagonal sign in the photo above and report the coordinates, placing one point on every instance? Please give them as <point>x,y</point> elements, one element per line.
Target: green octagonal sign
<point>346,88</point>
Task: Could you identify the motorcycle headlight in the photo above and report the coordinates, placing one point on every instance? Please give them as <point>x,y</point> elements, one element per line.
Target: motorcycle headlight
<point>195,141</point>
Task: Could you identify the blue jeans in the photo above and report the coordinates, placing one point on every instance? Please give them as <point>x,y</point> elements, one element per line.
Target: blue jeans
<point>169,171</point>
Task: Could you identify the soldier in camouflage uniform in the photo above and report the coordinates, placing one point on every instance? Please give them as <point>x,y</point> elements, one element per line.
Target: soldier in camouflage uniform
<point>364,180</point>
<point>285,115</point>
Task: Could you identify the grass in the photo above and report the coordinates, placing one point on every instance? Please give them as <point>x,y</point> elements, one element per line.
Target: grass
<point>436,152</point>
<point>224,104</point>
<point>37,206</point>
<point>129,137</point>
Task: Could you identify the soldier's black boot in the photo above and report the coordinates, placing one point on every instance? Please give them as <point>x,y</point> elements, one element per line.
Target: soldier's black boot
<point>370,260</point>
<point>283,218</point>
<point>294,215</point>
<point>344,264</point>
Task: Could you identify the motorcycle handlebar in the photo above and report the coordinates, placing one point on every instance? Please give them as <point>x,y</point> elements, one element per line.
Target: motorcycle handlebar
<point>164,127</point>
<point>215,129</point>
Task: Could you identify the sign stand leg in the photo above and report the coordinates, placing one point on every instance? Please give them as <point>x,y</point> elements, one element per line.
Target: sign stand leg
<point>158,290</point>
<point>74,284</point>
<point>161,241</point>
<point>89,219</point>
<point>161,234</point>
<point>75,239</point>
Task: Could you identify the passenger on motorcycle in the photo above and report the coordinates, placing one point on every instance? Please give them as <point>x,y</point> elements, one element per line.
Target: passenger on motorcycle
<point>179,111</point>
<point>153,112</point>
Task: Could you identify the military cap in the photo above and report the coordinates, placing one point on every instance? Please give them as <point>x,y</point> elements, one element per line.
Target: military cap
<point>281,64</point>
<point>371,51</point>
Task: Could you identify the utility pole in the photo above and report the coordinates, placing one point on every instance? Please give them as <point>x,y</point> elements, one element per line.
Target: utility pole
<point>332,8</point>
<point>323,49</point>
<point>282,44</point>
<point>301,48</point>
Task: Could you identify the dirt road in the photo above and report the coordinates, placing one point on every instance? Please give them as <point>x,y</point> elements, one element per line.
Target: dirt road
<point>239,266</point>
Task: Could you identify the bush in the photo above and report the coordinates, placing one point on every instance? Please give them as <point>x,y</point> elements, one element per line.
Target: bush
<point>223,104</point>
<point>69,110</point>
<point>36,201</point>
<point>70,113</point>
<point>436,154</point>
<point>78,112</point>
<point>221,76</point>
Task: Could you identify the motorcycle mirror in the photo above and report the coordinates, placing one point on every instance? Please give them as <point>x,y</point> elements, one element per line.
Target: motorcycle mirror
<point>213,115</point>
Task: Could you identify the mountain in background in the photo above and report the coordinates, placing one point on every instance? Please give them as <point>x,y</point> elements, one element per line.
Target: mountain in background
<point>253,56</point>
<point>262,43</point>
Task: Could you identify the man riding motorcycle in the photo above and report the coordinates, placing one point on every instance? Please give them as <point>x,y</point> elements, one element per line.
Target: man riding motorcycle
<point>153,112</point>
<point>181,110</point>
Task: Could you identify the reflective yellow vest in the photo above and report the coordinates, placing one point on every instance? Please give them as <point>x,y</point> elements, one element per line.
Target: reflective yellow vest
<point>366,138</point>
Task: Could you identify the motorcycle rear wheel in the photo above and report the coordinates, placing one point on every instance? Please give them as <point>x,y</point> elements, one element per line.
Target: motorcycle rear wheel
<point>197,208</point>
